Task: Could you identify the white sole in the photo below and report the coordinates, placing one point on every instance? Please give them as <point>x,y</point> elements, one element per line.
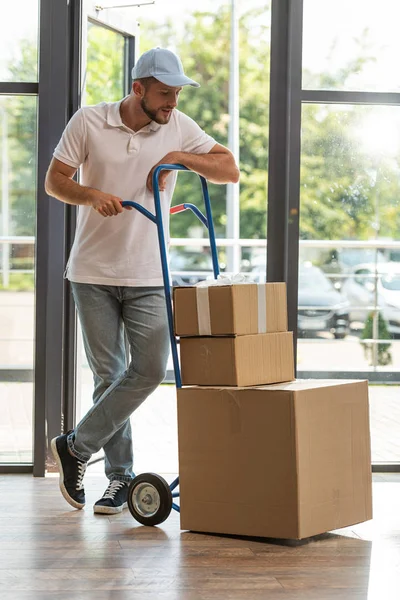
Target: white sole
<point>109,510</point>
<point>63,489</point>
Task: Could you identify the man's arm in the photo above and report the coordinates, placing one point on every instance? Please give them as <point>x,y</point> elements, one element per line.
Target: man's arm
<point>60,185</point>
<point>218,166</point>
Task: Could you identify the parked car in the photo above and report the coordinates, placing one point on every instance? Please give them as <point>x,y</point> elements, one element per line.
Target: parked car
<point>189,266</point>
<point>349,258</point>
<point>340,262</point>
<point>321,307</point>
<point>360,290</point>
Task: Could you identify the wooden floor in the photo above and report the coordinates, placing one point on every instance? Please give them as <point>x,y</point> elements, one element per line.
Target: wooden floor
<point>49,550</point>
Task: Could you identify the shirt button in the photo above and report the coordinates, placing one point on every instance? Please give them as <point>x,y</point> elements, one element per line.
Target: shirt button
<point>132,147</point>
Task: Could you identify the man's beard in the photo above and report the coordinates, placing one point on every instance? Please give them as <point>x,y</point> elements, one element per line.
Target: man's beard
<point>152,114</point>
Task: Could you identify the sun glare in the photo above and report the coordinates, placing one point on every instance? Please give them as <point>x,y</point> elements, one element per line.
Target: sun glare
<point>380,135</point>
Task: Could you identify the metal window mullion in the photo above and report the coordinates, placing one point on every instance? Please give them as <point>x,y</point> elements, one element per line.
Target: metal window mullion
<point>109,26</point>
<point>70,319</point>
<point>342,97</point>
<point>284,149</point>
<point>50,256</point>
<point>126,75</point>
<point>385,467</point>
<point>15,468</point>
<point>294,153</point>
<point>277,152</point>
<point>11,88</point>
<point>129,62</point>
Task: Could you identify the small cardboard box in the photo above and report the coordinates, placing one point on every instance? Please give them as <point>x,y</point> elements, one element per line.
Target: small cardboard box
<point>236,309</point>
<point>286,461</point>
<point>240,361</point>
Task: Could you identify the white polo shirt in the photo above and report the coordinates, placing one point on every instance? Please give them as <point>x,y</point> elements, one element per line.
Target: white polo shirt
<point>122,250</point>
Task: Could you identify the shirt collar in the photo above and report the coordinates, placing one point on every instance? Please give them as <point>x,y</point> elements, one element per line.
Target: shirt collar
<point>114,118</point>
<point>113,114</point>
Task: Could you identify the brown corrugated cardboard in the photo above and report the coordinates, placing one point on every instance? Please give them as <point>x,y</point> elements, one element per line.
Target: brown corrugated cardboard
<point>285,461</point>
<point>242,360</point>
<point>233,309</point>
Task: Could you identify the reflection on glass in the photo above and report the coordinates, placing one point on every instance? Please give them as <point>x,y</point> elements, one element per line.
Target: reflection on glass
<point>391,282</point>
<point>351,45</point>
<point>350,167</point>
<point>17,203</point>
<point>349,227</point>
<point>322,308</point>
<point>350,192</point>
<point>105,65</point>
<point>18,40</point>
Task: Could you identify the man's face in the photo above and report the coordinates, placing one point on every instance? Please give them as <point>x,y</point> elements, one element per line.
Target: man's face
<point>159,100</point>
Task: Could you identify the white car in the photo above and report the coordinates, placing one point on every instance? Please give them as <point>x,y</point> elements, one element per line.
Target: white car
<point>360,290</point>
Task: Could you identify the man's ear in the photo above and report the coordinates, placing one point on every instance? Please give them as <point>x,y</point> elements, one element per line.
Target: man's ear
<point>138,89</point>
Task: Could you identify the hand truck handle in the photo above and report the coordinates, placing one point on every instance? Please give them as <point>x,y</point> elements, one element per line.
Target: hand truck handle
<point>157,219</point>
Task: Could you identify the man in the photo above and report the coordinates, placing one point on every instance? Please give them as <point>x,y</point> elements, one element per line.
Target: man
<point>114,266</point>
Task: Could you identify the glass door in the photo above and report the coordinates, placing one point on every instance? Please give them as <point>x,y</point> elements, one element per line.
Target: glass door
<point>108,57</point>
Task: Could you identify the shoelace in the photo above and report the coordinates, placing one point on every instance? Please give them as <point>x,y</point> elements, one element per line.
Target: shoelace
<point>81,472</point>
<point>113,488</point>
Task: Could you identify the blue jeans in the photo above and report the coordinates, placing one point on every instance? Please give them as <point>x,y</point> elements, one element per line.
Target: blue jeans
<point>105,313</point>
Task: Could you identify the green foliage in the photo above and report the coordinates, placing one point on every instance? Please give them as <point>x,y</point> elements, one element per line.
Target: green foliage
<point>19,282</point>
<point>204,47</point>
<point>384,356</point>
<point>105,64</point>
<point>25,67</point>
<point>21,143</point>
<point>341,185</point>
<point>20,139</point>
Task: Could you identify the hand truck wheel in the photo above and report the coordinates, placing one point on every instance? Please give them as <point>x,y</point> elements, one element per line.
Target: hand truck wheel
<point>149,499</point>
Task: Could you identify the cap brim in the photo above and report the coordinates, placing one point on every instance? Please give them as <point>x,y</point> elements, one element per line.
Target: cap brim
<point>176,80</point>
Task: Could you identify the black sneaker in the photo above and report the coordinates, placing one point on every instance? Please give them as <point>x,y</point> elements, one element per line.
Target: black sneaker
<point>71,472</point>
<point>114,499</point>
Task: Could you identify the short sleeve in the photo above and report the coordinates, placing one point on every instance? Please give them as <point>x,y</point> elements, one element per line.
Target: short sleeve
<point>71,148</point>
<point>193,138</point>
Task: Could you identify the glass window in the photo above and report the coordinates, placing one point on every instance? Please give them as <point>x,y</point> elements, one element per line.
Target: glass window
<point>105,65</point>
<point>351,45</point>
<point>363,276</point>
<point>391,282</point>
<point>350,195</point>
<point>17,231</point>
<point>350,177</point>
<point>18,41</point>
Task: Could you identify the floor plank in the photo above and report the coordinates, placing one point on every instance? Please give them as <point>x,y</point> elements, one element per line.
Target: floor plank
<point>48,550</point>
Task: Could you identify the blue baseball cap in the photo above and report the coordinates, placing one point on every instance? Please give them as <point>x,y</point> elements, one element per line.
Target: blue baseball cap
<point>164,65</point>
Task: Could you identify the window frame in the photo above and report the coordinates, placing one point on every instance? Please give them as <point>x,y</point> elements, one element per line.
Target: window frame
<point>18,88</point>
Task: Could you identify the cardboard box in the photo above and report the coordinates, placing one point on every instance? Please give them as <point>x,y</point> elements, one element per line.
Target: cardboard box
<point>242,360</point>
<point>236,309</point>
<point>286,461</point>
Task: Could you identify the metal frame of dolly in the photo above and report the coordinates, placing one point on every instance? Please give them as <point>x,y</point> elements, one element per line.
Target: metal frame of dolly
<point>150,498</point>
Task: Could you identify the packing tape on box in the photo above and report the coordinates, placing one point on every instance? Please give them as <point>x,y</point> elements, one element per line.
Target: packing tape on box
<point>262,307</point>
<point>203,301</point>
<point>203,310</point>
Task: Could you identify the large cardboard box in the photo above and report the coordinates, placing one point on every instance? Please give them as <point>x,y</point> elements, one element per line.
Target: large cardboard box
<point>286,461</point>
<point>241,360</point>
<point>236,309</point>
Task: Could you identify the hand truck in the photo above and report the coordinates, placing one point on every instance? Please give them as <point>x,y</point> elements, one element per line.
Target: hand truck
<point>150,497</point>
